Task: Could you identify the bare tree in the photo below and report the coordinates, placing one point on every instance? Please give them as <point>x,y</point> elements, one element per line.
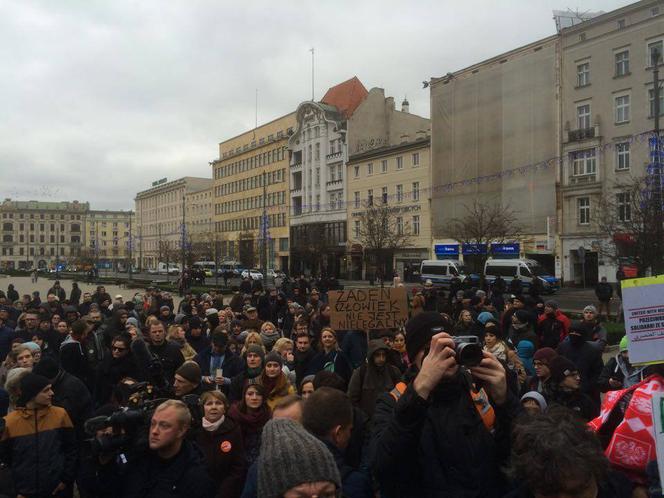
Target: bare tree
<point>631,218</point>
<point>381,232</point>
<point>484,224</point>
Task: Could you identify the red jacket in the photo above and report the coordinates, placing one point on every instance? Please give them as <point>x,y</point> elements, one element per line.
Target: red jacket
<point>560,317</point>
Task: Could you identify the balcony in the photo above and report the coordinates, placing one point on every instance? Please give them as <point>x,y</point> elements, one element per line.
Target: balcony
<point>580,134</point>
<point>296,190</point>
<point>296,166</point>
<point>334,156</point>
<point>334,184</point>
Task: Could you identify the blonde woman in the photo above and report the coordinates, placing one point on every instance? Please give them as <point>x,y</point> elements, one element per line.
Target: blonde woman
<point>253,338</point>
<point>176,335</point>
<point>285,348</point>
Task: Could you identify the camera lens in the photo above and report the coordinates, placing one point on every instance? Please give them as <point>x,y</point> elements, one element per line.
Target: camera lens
<point>469,354</point>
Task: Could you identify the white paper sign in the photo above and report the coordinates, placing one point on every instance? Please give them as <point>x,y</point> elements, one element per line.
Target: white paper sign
<point>643,306</point>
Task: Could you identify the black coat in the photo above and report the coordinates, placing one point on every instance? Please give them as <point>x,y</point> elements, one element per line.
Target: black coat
<point>111,371</point>
<point>170,356</point>
<point>71,394</point>
<point>588,359</point>
<point>224,454</point>
<point>183,476</point>
<point>439,447</point>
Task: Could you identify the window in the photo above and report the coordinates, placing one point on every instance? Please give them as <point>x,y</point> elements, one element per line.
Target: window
<point>399,162</point>
<point>583,116</point>
<point>317,150</point>
<point>623,201</point>
<point>369,168</point>
<point>357,199</point>
<point>622,63</point>
<point>583,162</point>
<point>383,166</point>
<point>621,23</point>
<point>333,174</point>
<point>583,209</point>
<point>318,202</point>
<point>416,224</point>
<point>655,49</point>
<point>283,244</point>
<point>651,99</point>
<point>416,191</point>
<point>622,156</point>
<point>622,109</point>
<point>370,197</point>
<point>384,195</point>
<point>356,170</point>
<point>357,229</point>
<point>317,177</point>
<point>399,193</point>
<point>340,170</point>
<point>583,74</point>
<point>399,225</point>
<point>332,148</point>
<point>416,159</point>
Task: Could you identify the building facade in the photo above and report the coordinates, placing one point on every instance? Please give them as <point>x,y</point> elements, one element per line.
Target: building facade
<point>250,195</point>
<point>318,156</point>
<point>495,136</point>
<point>39,234</point>
<point>108,239</point>
<point>388,166</point>
<point>161,220</point>
<point>607,102</point>
<point>200,235</point>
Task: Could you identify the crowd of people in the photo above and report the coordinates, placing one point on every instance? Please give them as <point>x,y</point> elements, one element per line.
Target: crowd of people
<point>256,395</point>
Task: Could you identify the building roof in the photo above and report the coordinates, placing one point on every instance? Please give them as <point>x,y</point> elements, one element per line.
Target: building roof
<point>346,96</point>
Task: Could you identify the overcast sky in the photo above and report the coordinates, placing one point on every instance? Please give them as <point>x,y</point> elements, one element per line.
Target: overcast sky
<point>98,98</point>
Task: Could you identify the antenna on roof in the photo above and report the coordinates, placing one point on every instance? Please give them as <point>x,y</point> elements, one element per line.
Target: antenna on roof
<point>256,114</point>
<point>312,73</point>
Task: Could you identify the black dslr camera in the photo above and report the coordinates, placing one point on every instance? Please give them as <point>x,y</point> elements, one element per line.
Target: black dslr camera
<point>468,350</point>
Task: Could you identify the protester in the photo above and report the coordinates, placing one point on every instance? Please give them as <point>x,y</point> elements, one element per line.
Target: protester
<point>176,335</point>
<point>220,439</point>
<point>251,414</point>
<point>619,373</point>
<point>604,293</point>
<point>330,357</point>
<point>435,420</point>
<point>168,353</point>
<point>593,331</point>
<point>564,389</point>
<point>307,386</point>
<point>534,403</point>
<point>274,380</point>
<point>541,362</point>
<point>586,358</point>
<point>552,325</point>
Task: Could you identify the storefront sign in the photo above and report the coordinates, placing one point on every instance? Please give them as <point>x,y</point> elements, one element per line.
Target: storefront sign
<point>469,249</point>
<point>505,249</point>
<point>643,305</point>
<point>368,309</point>
<point>446,249</point>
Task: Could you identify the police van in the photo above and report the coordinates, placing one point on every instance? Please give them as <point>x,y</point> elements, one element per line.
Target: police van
<point>526,269</point>
<point>442,271</point>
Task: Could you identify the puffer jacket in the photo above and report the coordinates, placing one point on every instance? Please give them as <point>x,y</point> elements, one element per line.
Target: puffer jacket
<point>40,448</point>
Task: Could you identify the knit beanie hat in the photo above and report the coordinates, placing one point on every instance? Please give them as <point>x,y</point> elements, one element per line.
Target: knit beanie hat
<point>32,345</point>
<point>31,384</point>
<point>290,456</point>
<point>545,355</point>
<point>275,357</point>
<point>484,317</point>
<point>419,330</point>
<point>47,367</point>
<point>190,371</point>
<point>132,321</point>
<point>255,348</point>
<point>624,344</point>
<point>590,308</point>
<point>551,303</point>
<point>560,368</point>
<point>307,378</point>
<point>537,397</point>
<point>522,315</point>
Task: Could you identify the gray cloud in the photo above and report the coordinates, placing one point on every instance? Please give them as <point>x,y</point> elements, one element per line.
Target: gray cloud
<point>97,99</point>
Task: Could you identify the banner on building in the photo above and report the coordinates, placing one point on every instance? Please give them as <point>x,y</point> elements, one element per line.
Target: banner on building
<point>368,309</point>
<point>643,305</point>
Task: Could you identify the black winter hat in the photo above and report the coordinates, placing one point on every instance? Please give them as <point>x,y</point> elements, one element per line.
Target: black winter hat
<point>560,368</point>
<point>47,367</point>
<point>419,330</point>
<point>522,315</point>
<point>31,385</point>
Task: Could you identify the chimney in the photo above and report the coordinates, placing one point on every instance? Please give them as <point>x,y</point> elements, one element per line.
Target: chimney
<point>405,106</point>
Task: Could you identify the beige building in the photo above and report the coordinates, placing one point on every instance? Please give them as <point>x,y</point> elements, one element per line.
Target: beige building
<point>200,234</point>
<point>251,167</point>
<point>39,234</point>
<point>494,139</point>
<point>607,104</point>
<point>108,238</point>
<point>160,221</point>
<point>389,164</point>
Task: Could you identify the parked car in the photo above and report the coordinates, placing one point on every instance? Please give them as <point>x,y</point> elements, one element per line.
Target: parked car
<point>442,271</point>
<point>252,274</point>
<point>271,273</point>
<point>527,269</point>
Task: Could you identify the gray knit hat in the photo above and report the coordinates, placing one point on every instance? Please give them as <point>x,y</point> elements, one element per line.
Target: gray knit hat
<point>291,456</point>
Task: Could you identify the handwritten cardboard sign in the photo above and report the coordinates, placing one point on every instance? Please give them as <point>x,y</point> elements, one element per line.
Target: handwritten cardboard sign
<point>368,309</point>
<point>643,306</point>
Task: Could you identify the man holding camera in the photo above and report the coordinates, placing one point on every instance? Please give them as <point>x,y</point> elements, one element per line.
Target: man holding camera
<point>446,432</point>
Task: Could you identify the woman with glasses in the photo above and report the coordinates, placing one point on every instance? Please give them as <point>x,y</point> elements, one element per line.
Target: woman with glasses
<point>115,367</point>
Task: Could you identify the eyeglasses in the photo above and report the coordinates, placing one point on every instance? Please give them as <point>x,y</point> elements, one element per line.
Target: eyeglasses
<point>114,348</point>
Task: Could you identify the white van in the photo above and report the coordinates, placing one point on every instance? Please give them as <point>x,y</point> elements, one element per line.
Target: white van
<point>527,269</point>
<point>442,271</point>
